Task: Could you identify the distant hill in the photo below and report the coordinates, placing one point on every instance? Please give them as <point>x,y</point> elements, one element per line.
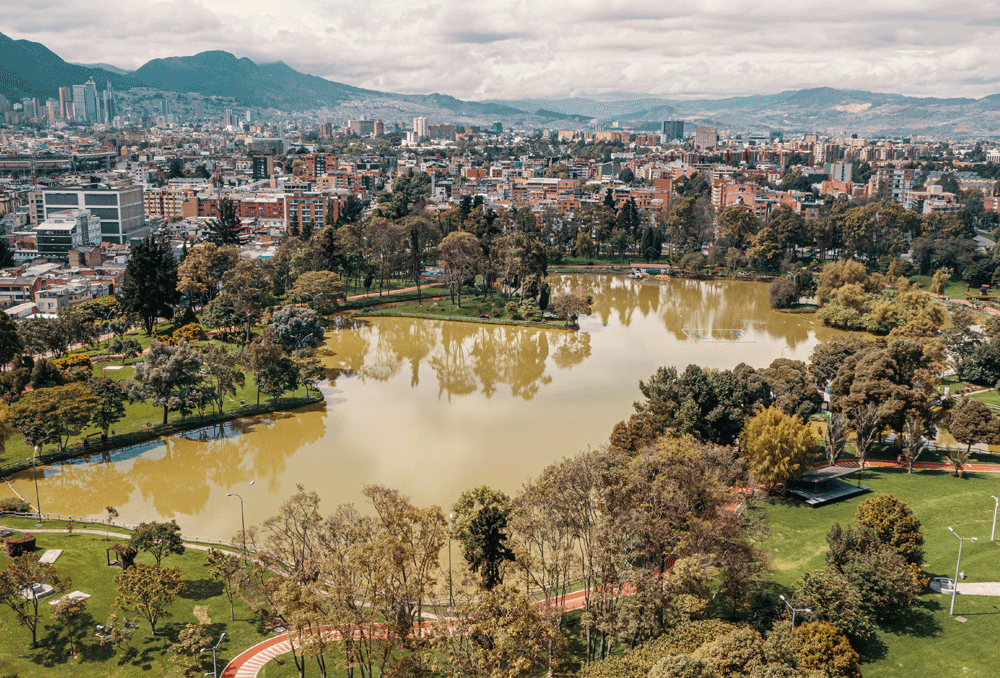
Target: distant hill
<point>30,69</point>
<point>107,67</point>
<point>821,109</point>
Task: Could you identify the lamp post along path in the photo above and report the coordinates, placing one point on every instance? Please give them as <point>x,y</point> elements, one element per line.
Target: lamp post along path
<point>793,609</point>
<point>996,504</point>
<point>958,566</point>
<point>243,524</point>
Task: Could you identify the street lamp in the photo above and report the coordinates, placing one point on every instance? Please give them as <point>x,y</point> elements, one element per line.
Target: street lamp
<point>34,471</point>
<point>954,582</point>
<point>242,521</point>
<point>451,598</point>
<point>996,503</point>
<point>215,671</point>
<point>302,341</point>
<point>804,609</point>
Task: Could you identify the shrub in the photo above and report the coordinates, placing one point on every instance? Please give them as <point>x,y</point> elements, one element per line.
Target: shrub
<point>14,505</point>
<point>73,360</point>
<point>15,546</point>
<point>190,333</point>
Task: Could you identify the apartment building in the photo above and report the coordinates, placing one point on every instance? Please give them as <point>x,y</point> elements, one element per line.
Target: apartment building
<point>119,207</point>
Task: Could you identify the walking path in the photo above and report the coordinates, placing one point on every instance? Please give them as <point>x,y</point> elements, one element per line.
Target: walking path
<point>399,291</point>
<point>105,533</point>
<point>923,465</point>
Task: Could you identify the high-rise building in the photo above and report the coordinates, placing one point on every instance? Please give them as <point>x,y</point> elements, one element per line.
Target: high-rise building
<point>421,129</point>
<point>706,137</point>
<point>79,107</point>
<point>199,110</point>
<point>120,209</point>
<point>64,230</point>
<point>52,109</point>
<point>892,184</point>
<point>841,171</point>
<point>90,100</point>
<point>364,128</point>
<point>379,128</point>
<point>673,129</point>
<point>29,108</point>
<point>65,103</point>
<point>227,118</point>
<point>110,107</point>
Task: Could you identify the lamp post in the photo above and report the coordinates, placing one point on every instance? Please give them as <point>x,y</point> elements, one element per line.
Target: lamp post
<point>243,524</point>
<point>451,598</point>
<point>996,503</point>
<point>34,472</point>
<point>215,671</point>
<point>958,565</point>
<point>794,610</point>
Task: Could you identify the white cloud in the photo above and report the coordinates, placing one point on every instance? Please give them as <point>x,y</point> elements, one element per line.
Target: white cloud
<point>517,48</point>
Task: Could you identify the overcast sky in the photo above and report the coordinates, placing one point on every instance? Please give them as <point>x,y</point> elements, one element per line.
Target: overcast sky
<point>488,49</point>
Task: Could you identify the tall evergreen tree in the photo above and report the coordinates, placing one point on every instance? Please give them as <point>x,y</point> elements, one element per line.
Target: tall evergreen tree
<point>150,289</point>
<point>225,229</point>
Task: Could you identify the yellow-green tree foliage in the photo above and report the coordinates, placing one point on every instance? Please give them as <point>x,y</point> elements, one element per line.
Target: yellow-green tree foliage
<point>637,662</point>
<point>72,360</point>
<point>836,274</point>
<point>894,525</point>
<point>735,654</point>
<point>820,648</point>
<point>190,333</point>
<point>938,282</point>
<point>777,446</point>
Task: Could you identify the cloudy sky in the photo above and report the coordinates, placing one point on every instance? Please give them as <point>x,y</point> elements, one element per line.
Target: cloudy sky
<point>551,48</point>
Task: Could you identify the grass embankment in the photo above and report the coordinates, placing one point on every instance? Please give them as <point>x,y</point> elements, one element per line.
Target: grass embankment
<point>473,309</point>
<point>929,642</point>
<point>84,559</point>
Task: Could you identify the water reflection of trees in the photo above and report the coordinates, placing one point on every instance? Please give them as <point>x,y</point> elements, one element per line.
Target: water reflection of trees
<point>464,357</point>
<point>177,475</point>
<point>681,304</point>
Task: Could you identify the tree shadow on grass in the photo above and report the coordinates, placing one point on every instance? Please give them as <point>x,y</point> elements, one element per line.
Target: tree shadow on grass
<point>919,620</point>
<point>872,650</point>
<point>201,589</point>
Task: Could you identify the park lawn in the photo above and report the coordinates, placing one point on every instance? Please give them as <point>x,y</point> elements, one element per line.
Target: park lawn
<point>956,289</point>
<point>930,643</point>
<point>84,560</point>
<point>990,397</point>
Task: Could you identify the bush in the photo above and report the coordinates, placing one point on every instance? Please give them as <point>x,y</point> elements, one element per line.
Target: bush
<point>14,505</point>
<point>190,333</point>
<point>782,293</point>
<point>73,360</point>
<point>15,546</point>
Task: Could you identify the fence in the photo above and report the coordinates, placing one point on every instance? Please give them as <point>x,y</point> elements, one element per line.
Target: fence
<point>134,438</point>
<point>58,517</point>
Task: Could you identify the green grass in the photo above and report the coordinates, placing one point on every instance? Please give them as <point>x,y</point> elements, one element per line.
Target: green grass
<point>473,308</point>
<point>84,559</point>
<point>955,289</point>
<point>989,397</point>
<point>930,643</point>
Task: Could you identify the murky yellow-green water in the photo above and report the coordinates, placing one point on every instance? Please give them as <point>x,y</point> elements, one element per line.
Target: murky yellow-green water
<point>435,407</point>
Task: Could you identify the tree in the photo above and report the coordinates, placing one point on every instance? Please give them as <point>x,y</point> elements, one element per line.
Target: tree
<point>866,424</point>
<point>939,281</point>
<point>459,254</point>
<point>777,446</point>
<point>569,306</point>
<point>127,347</point>
<point>189,648</point>
<point>507,637</point>
<point>783,293</point>
<point>224,372</point>
<point>70,615</point>
<point>894,525</point>
<point>480,526</point>
<point>10,341</point>
<point>224,568</point>
<point>275,373</point>
<point>112,395</point>
<point>296,328</point>
<point>246,289</point>
<point>839,273</point>
<point>150,288</point>
<point>734,654</point>
<point>738,225</point>
<point>204,267</point>
<point>158,539</point>
<point>583,246</point>
<point>835,437</point>
<point>831,598</point>
<point>681,666</point>
<point>170,376</point>
<point>148,590</point>
<point>766,251</point>
<point>793,387</point>
<point>973,422</point>
<point>652,244</point>
<point>52,415</point>
<point>224,230</point>
<point>820,648</point>
<point>26,573</point>
<point>319,289</point>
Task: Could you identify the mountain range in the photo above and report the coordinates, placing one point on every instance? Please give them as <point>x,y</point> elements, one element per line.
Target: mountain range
<point>29,69</point>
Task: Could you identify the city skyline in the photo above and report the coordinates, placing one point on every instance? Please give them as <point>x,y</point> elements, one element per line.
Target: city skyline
<point>503,50</point>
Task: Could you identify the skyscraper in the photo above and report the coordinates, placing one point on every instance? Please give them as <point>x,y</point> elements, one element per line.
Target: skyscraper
<point>110,109</point>
<point>706,137</point>
<point>673,129</point>
<point>227,118</point>
<point>79,107</point>
<point>90,100</point>
<point>421,130</point>
<point>65,103</point>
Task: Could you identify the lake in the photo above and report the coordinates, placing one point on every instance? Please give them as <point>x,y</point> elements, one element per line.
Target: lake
<point>433,407</point>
